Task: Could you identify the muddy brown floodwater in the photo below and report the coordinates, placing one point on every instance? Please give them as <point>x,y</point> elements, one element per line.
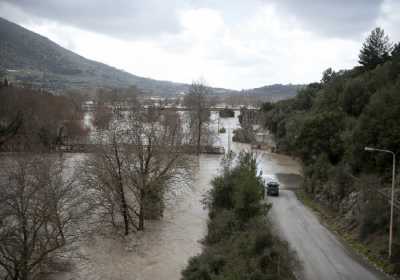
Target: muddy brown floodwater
<point>164,248</point>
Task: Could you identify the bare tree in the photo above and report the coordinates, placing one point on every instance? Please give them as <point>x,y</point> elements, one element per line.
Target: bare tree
<point>106,175</point>
<point>76,98</point>
<point>44,120</point>
<point>9,130</point>
<point>39,212</point>
<point>157,160</point>
<point>197,100</point>
<point>143,157</point>
<point>102,116</point>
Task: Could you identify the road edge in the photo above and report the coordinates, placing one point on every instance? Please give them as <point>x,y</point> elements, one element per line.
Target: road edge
<point>354,246</point>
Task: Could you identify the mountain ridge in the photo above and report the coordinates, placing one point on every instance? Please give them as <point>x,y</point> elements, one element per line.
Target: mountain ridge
<point>30,58</point>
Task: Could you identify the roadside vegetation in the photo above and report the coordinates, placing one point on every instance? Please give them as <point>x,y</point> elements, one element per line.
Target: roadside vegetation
<point>328,125</point>
<point>240,243</point>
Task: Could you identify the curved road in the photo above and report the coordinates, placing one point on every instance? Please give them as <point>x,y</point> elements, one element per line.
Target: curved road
<point>322,255</point>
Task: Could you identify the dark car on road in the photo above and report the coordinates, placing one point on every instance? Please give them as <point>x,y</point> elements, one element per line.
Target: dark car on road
<point>273,188</point>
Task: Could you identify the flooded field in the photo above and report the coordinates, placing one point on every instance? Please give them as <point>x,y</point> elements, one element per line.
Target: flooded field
<point>163,249</point>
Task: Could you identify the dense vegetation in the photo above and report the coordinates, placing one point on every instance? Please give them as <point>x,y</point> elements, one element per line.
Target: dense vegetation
<point>328,125</point>
<point>239,243</point>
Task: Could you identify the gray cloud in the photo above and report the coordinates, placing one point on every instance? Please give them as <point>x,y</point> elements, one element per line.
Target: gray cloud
<point>235,43</point>
<point>333,18</point>
<point>119,18</point>
<point>148,18</point>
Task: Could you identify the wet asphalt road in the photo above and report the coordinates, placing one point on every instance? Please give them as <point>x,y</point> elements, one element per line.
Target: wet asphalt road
<point>322,255</point>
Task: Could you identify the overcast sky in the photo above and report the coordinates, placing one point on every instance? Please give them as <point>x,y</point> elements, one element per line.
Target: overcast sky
<point>233,44</point>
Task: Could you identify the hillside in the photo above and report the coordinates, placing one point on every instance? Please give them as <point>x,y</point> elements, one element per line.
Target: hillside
<point>274,92</point>
<point>29,58</point>
<point>35,59</point>
<point>328,126</point>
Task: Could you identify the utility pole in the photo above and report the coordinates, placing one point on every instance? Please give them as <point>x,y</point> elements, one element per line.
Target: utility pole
<point>369,149</point>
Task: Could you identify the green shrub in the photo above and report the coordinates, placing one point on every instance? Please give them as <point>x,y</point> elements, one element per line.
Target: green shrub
<point>239,243</point>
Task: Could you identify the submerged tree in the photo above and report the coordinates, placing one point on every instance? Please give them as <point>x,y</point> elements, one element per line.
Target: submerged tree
<point>105,174</point>
<point>198,102</point>
<point>40,211</point>
<point>130,174</point>
<point>157,160</point>
<point>9,130</point>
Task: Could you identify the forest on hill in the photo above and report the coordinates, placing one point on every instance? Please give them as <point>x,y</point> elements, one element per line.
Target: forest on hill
<point>329,124</point>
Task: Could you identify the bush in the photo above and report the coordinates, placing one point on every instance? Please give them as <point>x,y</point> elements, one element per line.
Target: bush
<point>239,243</point>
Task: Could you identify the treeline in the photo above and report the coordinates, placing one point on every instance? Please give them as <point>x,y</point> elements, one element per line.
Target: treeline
<point>329,124</point>
<point>239,243</point>
<point>33,120</point>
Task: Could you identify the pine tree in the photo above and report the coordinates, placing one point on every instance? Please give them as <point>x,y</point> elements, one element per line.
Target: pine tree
<point>376,49</point>
<point>396,50</point>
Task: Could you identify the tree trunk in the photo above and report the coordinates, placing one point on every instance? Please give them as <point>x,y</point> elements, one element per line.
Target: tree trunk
<point>141,211</point>
<point>199,136</point>
<point>124,206</point>
<point>124,209</point>
<point>24,275</point>
<point>16,275</point>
